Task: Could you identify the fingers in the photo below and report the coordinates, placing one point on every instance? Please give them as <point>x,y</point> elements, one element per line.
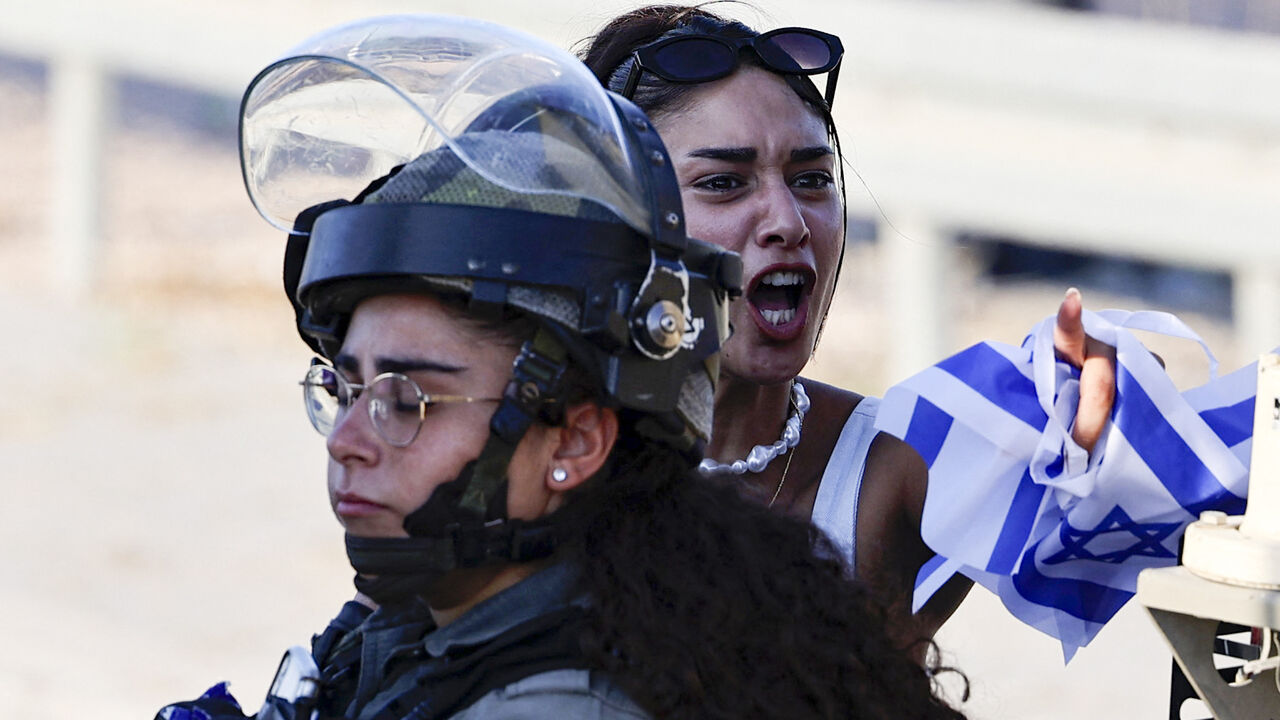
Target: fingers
<point>1068,333</point>
<point>1096,361</point>
<point>1097,394</point>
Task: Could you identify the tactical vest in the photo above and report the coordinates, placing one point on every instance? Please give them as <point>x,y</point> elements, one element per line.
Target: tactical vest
<point>414,685</point>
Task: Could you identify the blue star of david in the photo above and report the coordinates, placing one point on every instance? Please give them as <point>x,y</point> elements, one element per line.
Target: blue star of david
<point>1147,536</point>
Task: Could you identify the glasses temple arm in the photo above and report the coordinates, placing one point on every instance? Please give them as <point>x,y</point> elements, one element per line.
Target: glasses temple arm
<point>633,77</point>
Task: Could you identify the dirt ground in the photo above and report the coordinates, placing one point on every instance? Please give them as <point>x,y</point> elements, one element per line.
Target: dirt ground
<point>163,523</point>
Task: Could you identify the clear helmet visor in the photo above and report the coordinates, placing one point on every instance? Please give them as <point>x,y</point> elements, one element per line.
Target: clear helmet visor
<point>345,107</point>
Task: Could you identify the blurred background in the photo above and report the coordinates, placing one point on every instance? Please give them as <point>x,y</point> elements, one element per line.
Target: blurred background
<point>163,523</point>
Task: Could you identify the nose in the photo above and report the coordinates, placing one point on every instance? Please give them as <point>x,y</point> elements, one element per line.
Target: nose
<point>353,439</point>
<point>781,217</point>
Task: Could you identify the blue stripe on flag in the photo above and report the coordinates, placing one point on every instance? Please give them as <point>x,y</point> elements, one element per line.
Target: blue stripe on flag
<point>1017,526</point>
<point>1166,453</point>
<point>928,429</point>
<point>1234,424</point>
<point>1089,601</point>
<point>928,568</point>
<point>1055,468</point>
<point>994,377</point>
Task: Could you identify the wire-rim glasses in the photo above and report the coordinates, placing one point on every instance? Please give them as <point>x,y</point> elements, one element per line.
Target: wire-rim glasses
<point>698,58</point>
<point>397,405</point>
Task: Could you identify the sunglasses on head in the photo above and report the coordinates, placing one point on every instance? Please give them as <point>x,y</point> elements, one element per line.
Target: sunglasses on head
<point>698,58</point>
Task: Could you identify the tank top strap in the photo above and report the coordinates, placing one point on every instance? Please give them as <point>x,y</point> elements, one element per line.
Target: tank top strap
<point>835,509</point>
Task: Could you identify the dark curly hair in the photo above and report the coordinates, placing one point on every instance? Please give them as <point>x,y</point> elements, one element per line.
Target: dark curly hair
<point>707,605</point>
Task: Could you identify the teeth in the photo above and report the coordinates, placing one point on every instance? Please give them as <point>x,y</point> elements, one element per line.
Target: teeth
<point>779,278</point>
<point>779,317</point>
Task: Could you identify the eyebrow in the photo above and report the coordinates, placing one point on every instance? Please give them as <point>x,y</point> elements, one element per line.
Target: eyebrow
<point>800,155</point>
<point>749,154</point>
<point>349,364</point>
<point>729,154</point>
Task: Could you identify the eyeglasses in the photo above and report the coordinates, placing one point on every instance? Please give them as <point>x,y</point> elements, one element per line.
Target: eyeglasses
<point>698,58</point>
<point>397,405</point>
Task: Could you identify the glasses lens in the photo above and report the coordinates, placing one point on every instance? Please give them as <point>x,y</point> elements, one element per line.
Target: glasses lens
<point>395,408</point>
<point>322,392</point>
<point>693,59</point>
<point>796,52</point>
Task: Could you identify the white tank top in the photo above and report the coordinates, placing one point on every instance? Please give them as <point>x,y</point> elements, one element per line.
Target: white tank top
<point>835,509</point>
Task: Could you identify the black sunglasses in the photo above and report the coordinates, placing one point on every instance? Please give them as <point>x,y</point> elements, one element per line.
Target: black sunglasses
<point>697,58</point>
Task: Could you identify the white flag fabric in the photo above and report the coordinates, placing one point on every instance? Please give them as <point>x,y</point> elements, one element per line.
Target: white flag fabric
<point>1059,534</point>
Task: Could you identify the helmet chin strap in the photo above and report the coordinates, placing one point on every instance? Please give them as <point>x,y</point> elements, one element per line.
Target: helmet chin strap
<point>464,523</point>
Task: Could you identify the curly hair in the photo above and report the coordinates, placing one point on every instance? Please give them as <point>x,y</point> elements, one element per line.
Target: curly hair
<point>707,605</point>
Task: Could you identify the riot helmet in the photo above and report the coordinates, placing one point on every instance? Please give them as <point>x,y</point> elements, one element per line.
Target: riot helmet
<point>420,153</point>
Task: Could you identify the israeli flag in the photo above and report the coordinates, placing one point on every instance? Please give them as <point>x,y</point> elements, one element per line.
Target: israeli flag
<point>1059,534</point>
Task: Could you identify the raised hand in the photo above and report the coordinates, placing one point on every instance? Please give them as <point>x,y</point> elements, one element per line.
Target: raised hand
<point>1097,363</point>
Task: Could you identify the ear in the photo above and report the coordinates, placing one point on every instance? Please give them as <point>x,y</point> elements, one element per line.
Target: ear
<point>585,440</point>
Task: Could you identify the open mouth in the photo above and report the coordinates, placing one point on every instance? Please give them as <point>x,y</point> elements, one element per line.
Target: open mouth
<point>779,296</point>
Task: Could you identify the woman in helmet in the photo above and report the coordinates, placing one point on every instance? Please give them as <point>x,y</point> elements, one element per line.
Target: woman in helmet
<point>517,364</point>
<point>758,162</point>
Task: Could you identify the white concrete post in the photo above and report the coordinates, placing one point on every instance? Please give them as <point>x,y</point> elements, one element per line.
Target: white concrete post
<point>78,100</point>
<point>917,287</point>
<point>1255,291</point>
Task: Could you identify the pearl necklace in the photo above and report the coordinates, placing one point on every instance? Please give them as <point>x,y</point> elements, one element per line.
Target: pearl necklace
<point>761,455</point>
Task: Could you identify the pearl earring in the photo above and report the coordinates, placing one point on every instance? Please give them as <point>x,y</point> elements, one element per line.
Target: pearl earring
<point>559,475</point>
